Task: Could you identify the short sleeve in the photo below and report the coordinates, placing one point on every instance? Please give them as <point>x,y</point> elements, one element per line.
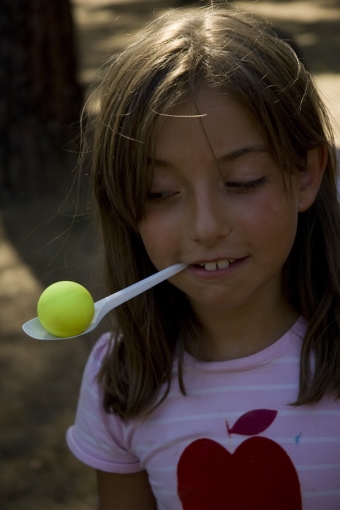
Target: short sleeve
<point>96,438</point>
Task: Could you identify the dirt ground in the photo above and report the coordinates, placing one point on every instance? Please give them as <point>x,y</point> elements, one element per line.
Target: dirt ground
<point>55,238</point>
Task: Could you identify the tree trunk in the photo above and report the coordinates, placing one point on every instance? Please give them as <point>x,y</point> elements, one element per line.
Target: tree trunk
<point>40,98</point>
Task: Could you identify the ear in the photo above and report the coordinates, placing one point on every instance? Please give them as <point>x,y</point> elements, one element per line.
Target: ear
<point>311,177</point>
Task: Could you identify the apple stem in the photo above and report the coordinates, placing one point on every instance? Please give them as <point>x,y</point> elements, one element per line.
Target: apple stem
<point>228,429</point>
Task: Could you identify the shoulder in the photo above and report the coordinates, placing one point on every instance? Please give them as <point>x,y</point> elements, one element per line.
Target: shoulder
<point>100,349</point>
<point>90,384</point>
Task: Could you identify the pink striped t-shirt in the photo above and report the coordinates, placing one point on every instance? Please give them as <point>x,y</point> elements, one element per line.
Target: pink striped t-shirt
<point>233,442</point>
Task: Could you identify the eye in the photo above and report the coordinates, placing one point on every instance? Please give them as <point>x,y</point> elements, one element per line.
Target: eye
<point>160,196</point>
<point>240,187</point>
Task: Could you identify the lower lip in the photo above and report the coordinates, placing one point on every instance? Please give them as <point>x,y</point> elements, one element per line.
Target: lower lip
<point>200,272</point>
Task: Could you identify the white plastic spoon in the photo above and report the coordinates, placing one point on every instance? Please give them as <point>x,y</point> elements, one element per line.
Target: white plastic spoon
<point>36,330</point>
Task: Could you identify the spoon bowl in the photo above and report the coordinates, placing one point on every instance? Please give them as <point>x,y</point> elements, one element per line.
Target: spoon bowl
<point>35,329</point>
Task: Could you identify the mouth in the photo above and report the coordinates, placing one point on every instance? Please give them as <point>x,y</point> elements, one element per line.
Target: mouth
<point>215,265</point>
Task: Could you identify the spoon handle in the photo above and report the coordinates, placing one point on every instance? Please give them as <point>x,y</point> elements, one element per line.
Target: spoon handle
<point>107,304</point>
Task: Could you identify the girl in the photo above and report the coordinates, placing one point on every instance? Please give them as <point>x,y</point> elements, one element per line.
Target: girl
<point>219,388</point>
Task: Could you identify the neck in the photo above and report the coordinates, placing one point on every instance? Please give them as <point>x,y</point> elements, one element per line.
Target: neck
<point>226,337</point>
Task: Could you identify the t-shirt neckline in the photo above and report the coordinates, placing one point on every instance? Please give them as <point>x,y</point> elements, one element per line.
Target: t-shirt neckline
<point>296,332</point>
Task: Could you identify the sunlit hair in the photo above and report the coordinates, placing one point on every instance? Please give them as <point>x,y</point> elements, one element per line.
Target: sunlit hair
<point>233,52</point>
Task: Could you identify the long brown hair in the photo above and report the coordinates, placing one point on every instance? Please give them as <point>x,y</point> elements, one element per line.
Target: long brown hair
<point>222,48</point>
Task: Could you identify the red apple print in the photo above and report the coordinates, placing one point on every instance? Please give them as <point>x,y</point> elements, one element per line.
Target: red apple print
<point>258,476</point>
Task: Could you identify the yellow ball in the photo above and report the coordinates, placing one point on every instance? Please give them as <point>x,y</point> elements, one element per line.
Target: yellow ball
<point>65,309</point>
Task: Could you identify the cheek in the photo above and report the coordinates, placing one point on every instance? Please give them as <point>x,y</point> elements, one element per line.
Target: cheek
<point>274,224</point>
<point>160,238</point>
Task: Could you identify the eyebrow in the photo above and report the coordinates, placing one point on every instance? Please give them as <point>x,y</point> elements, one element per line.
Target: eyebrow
<point>231,156</point>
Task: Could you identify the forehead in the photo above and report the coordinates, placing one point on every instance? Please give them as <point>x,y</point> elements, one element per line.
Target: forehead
<point>209,120</point>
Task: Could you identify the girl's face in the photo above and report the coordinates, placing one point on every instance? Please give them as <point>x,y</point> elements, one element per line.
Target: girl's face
<point>218,203</point>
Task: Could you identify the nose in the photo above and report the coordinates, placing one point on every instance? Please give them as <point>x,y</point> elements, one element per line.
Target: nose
<point>210,221</point>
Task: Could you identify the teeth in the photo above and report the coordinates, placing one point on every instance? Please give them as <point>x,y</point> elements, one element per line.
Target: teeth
<point>220,264</point>
<point>210,266</point>
<point>223,264</point>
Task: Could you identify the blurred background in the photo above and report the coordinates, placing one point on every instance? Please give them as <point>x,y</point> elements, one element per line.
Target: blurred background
<point>50,58</point>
